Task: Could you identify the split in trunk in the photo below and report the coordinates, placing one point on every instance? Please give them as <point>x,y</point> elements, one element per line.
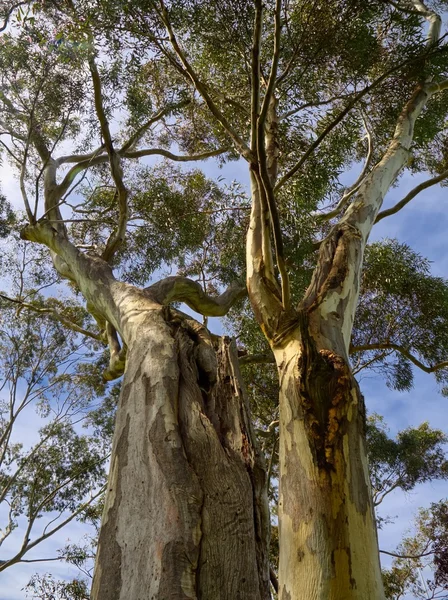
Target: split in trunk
<point>186,512</point>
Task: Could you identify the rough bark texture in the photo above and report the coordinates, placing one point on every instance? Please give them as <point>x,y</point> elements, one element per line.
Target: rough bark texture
<point>186,508</point>
<point>329,548</point>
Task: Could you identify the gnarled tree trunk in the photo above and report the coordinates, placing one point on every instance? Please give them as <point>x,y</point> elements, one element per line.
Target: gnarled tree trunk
<point>186,512</point>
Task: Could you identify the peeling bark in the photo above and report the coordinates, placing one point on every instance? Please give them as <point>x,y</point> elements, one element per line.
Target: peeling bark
<point>328,542</point>
<point>186,512</point>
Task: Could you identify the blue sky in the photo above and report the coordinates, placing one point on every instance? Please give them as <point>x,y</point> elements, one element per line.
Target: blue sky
<point>423,224</point>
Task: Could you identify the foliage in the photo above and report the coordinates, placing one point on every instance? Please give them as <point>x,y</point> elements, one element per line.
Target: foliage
<point>401,304</point>
<point>53,476</point>
<point>415,456</point>
<point>46,587</point>
<point>423,550</point>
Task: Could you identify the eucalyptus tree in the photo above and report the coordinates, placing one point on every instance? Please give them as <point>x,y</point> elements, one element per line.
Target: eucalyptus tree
<point>295,89</point>
<point>186,507</point>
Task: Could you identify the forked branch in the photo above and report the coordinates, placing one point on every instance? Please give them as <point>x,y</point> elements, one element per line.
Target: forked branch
<point>182,289</point>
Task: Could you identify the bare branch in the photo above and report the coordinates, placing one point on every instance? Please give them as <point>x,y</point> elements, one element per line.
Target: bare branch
<point>255,79</point>
<point>411,556</point>
<point>256,359</point>
<point>406,9</point>
<point>182,289</point>
<point>274,580</point>
<point>402,350</point>
<point>274,65</point>
<point>174,157</point>
<point>434,20</point>
<point>117,237</point>
<point>136,137</point>
<point>97,158</point>
<point>77,158</point>
<point>240,145</point>
<point>294,111</point>
<point>9,14</point>
<point>117,362</point>
<point>419,188</point>
<point>22,180</point>
<point>54,313</point>
<point>355,186</point>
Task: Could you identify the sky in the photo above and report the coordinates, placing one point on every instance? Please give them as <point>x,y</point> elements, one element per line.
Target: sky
<point>423,224</point>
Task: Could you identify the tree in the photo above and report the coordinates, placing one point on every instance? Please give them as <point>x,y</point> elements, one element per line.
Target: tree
<point>268,83</point>
<point>47,378</point>
<point>426,548</point>
<point>182,411</point>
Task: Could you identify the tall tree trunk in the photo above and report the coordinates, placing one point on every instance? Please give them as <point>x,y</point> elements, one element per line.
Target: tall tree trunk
<point>328,542</point>
<point>186,512</point>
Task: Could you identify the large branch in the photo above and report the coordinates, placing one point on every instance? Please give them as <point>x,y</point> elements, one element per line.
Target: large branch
<point>182,289</point>
<point>434,20</point>
<point>338,271</point>
<point>262,286</point>
<point>414,192</point>
<point>92,275</point>
<point>80,158</point>
<point>403,351</point>
<point>263,179</point>
<point>117,237</point>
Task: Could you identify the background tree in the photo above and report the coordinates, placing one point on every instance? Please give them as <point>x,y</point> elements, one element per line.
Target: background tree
<point>418,554</point>
<point>48,378</point>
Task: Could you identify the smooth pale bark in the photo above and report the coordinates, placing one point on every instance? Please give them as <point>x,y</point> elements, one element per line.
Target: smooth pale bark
<point>329,548</point>
<point>186,512</point>
<point>328,543</point>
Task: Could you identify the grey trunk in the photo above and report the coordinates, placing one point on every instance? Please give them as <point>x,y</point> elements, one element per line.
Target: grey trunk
<point>186,514</point>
